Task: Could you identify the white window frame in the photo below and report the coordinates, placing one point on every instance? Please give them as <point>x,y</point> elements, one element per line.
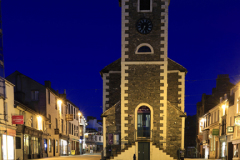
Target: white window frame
<point>144,44</point>
<point>151,6</point>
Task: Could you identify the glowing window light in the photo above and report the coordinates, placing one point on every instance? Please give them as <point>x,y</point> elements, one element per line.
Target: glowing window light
<point>59,102</point>
<point>224,108</point>
<point>39,119</point>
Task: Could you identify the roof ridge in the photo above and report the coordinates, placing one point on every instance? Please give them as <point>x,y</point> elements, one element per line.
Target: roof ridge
<point>177,64</point>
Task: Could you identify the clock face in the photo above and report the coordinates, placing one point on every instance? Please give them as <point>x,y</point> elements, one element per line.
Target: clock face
<point>144,26</point>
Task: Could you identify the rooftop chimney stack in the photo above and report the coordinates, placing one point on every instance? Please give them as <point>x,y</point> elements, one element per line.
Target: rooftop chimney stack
<point>48,84</point>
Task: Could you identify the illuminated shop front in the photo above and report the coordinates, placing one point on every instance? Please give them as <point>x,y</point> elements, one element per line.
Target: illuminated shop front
<point>64,147</point>
<point>223,147</point>
<point>7,151</point>
<point>8,147</point>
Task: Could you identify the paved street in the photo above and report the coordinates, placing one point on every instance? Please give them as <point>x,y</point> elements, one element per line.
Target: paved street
<point>96,157</point>
<point>199,159</point>
<point>77,157</point>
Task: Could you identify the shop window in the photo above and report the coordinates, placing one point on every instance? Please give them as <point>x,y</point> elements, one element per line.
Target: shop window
<point>18,142</point>
<point>50,145</point>
<point>7,147</point>
<point>56,146</point>
<point>235,150</point>
<point>35,145</point>
<point>26,144</point>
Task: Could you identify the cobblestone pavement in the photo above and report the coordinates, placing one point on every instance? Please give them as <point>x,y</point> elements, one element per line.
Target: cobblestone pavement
<point>77,157</point>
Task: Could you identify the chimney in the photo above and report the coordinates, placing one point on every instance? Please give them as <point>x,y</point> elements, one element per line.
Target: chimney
<point>48,84</point>
<point>64,91</point>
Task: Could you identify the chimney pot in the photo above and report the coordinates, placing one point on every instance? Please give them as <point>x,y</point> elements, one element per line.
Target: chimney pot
<point>48,84</point>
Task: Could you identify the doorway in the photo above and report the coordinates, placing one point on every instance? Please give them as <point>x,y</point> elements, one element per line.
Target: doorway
<point>216,149</point>
<point>143,151</point>
<point>143,122</point>
<point>54,147</point>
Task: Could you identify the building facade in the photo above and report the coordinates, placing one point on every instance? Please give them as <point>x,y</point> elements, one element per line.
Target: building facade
<point>93,134</point>
<point>207,103</point>
<point>7,129</point>
<point>30,134</point>
<point>143,92</point>
<point>59,133</point>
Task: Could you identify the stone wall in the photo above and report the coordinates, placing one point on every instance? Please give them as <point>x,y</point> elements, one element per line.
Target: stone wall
<point>135,38</point>
<point>114,88</point>
<point>174,130</point>
<point>143,87</point>
<point>172,94</point>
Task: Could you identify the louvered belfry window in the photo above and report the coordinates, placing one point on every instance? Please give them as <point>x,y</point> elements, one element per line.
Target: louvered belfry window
<point>144,4</point>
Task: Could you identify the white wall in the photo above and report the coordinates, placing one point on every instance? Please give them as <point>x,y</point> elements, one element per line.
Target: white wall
<point>9,101</point>
<point>93,124</point>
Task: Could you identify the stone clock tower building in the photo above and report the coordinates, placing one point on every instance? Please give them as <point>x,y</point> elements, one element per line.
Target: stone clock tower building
<point>143,92</point>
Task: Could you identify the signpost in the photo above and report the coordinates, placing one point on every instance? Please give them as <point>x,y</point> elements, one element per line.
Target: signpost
<point>19,119</point>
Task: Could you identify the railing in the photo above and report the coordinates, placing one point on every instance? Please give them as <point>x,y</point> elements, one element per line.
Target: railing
<point>117,146</point>
<point>143,134</point>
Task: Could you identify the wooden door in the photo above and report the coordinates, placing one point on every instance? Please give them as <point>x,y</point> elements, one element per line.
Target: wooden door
<point>143,151</point>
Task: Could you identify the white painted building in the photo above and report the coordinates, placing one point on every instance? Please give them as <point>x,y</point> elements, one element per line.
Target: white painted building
<point>29,138</point>
<point>7,130</point>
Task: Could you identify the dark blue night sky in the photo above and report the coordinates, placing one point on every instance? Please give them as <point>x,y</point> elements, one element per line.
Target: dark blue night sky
<point>69,42</point>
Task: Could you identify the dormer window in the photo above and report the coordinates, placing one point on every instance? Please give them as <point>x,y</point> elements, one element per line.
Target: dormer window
<point>144,49</point>
<point>145,5</point>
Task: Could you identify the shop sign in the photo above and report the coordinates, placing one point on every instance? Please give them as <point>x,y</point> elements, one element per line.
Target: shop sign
<point>230,129</point>
<point>215,132</point>
<point>223,138</point>
<point>18,119</point>
<point>10,132</point>
<point>69,117</point>
<point>237,121</point>
<point>72,152</point>
<point>56,131</point>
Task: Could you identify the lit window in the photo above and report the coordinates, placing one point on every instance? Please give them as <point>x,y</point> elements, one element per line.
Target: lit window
<point>50,146</point>
<point>40,124</point>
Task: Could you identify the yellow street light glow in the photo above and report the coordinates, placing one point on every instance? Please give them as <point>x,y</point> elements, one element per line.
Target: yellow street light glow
<point>39,118</point>
<point>79,113</point>
<point>59,102</point>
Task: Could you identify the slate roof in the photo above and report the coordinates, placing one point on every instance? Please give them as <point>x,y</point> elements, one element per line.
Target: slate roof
<point>116,66</point>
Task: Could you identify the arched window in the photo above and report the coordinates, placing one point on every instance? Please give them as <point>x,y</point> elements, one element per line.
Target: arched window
<point>143,122</point>
<point>144,49</point>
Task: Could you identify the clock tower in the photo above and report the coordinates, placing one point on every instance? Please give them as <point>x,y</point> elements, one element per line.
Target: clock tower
<point>150,116</point>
